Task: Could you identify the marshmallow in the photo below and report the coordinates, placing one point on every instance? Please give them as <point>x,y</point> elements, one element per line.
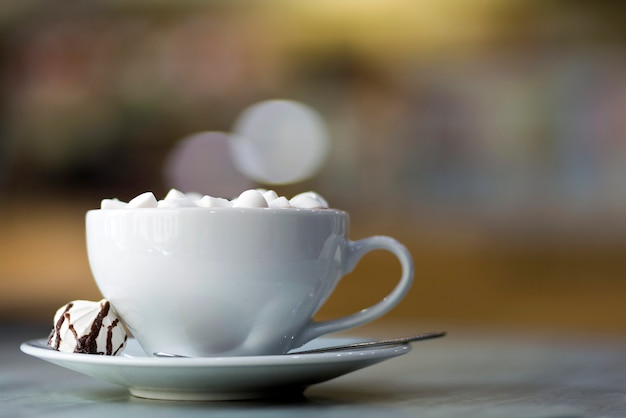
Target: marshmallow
<point>250,199</point>
<point>112,204</point>
<point>308,200</point>
<point>214,202</point>
<point>323,203</point>
<point>176,199</point>
<point>279,203</point>
<point>194,197</point>
<point>176,203</point>
<point>88,327</point>
<point>144,200</point>
<point>174,194</point>
<point>269,195</point>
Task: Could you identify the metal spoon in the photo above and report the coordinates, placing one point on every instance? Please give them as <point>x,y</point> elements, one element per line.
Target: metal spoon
<point>352,346</point>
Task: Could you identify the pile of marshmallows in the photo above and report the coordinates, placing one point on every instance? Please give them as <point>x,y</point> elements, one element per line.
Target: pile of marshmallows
<point>253,198</point>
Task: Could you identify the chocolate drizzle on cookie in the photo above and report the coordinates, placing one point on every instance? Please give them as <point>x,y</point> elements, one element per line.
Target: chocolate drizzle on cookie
<point>56,332</point>
<point>88,343</point>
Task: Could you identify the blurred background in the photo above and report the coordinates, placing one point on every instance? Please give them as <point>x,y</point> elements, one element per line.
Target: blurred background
<point>488,136</point>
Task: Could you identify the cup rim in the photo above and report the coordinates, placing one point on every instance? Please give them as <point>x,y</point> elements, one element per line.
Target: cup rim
<point>227,210</point>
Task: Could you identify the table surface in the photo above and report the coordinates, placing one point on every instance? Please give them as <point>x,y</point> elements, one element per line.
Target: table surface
<point>469,373</point>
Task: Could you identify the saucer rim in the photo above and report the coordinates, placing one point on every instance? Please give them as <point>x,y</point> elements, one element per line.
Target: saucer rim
<point>37,348</point>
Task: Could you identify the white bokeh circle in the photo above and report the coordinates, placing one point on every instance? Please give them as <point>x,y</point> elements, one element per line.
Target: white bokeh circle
<point>279,142</point>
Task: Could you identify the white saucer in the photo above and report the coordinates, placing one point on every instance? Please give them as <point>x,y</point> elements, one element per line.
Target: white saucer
<point>217,378</point>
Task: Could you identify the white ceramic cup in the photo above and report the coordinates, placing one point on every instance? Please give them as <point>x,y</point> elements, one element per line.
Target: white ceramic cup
<point>225,281</point>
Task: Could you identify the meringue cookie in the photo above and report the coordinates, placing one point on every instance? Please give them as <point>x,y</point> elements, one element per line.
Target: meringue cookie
<point>88,327</point>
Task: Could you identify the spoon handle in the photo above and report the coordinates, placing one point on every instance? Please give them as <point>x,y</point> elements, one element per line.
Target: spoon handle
<point>370,344</point>
<point>353,346</point>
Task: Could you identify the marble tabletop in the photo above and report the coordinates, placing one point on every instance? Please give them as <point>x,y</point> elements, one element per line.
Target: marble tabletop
<point>470,373</point>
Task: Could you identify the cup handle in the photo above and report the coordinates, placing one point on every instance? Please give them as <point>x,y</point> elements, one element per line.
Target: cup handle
<point>356,250</point>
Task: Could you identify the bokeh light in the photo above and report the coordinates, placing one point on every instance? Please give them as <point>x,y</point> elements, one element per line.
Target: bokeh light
<point>279,142</point>
<point>202,163</point>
